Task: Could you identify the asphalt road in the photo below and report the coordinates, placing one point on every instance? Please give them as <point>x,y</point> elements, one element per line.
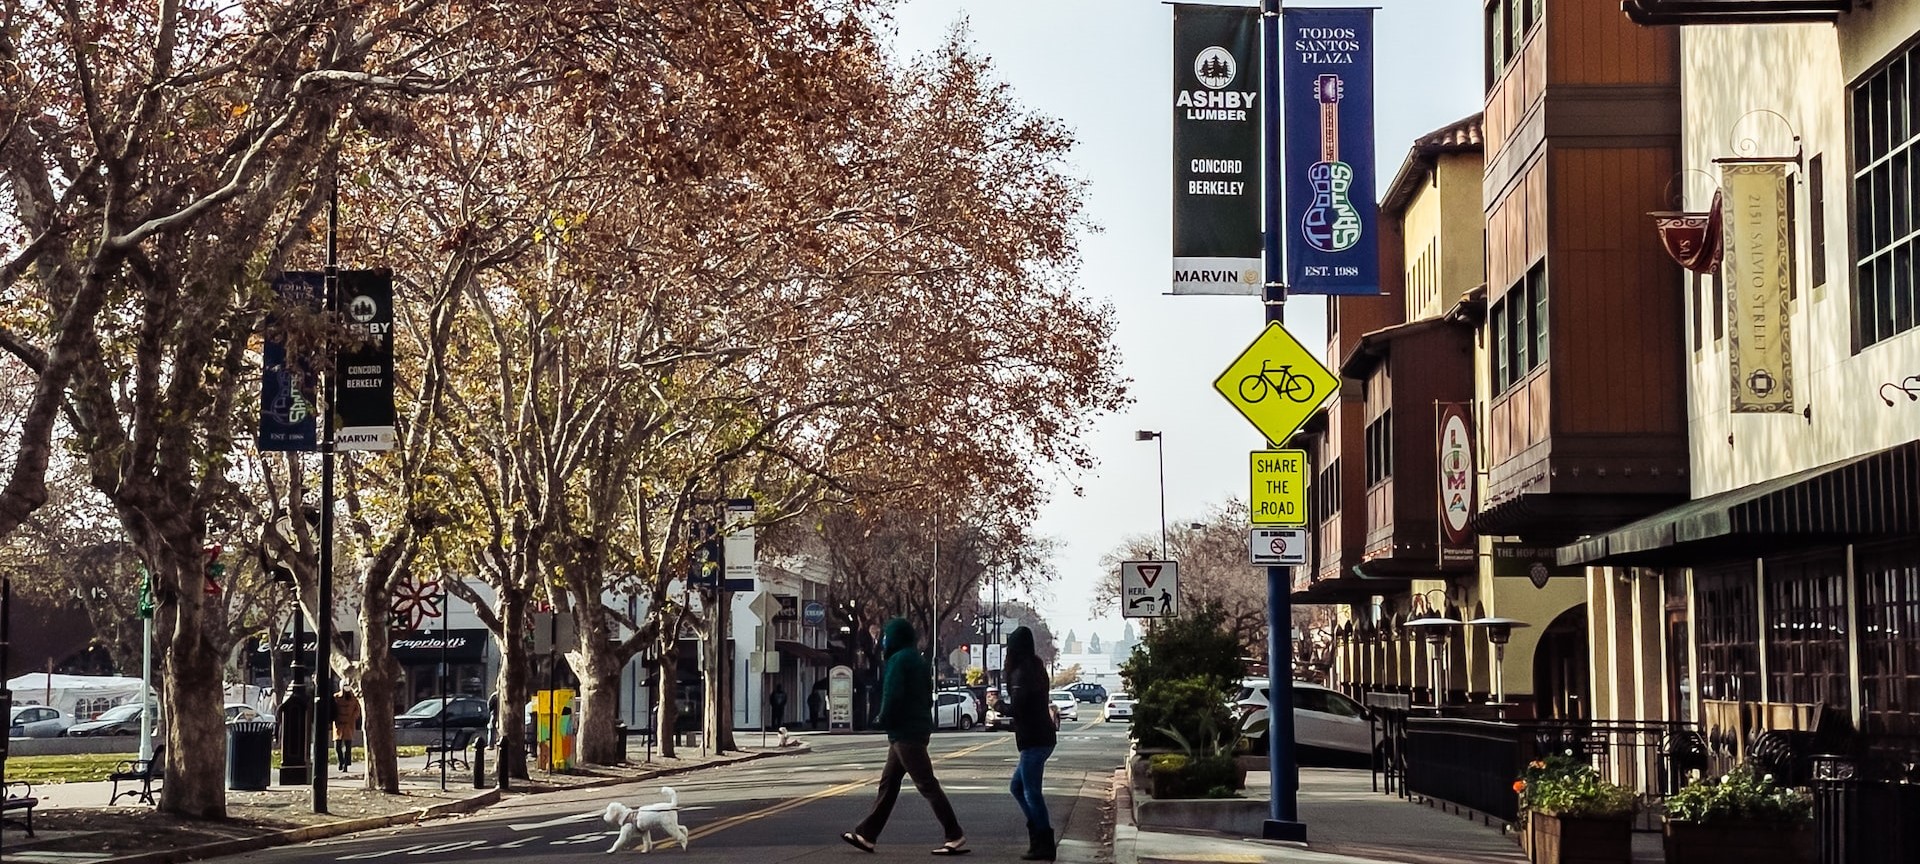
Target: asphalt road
<point>785,808</point>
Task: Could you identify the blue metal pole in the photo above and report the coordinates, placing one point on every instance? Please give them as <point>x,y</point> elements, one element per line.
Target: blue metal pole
<point>1283,796</point>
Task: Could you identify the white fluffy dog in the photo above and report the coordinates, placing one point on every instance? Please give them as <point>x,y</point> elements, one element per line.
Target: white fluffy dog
<point>641,821</point>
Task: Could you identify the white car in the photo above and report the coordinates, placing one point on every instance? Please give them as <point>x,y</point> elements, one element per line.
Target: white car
<point>1069,706</point>
<point>237,711</point>
<point>955,709</point>
<point>37,721</point>
<point>1325,722</point>
<point>1119,707</point>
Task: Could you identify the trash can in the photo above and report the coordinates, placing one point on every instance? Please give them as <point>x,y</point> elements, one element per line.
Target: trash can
<point>249,754</point>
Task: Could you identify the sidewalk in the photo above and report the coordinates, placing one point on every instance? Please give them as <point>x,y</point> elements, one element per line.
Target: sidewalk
<point>74,824</point>
<point>1347,823</point>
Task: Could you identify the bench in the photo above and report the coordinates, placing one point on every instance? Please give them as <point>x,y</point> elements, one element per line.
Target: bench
<point>450,748</point>
<point>145,772</point>
<point>19,796</point>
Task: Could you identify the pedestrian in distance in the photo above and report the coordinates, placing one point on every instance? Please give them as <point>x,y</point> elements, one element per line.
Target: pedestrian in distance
<point>346,719</point>
<point>777,700</point>
<point>817,704</point>
<point>1034,734</point>
<point>906,713</point>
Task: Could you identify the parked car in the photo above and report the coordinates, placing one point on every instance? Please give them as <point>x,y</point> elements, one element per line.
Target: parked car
<point>118,720</point>
<point>1069,706</point>
<point>996,721</point>
<point>955,709</point>
<point>1327,725</point>
<point>237,711</point>
<point>37,721</point>
<point>1119,707</point>
<point>1087,691</point>
<point>462,712</point>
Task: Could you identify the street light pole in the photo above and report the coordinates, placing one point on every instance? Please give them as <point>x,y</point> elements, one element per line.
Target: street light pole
<point>1159,440</point>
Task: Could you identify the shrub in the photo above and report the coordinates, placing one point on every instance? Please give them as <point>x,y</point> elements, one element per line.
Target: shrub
<point>1194,645</point>
<point>1212,771</point>
<point>1193,708</point>
<point>1743,795</point>
<point>1561,785</point>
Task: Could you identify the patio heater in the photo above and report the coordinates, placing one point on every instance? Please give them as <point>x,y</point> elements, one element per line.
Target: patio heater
<point>1436,626</point>
<point>1499,631</point>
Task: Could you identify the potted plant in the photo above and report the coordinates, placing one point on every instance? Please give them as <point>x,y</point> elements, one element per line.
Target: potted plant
<point>1743,817</point>
<point>1167,775</point>
<point>1573,815</point>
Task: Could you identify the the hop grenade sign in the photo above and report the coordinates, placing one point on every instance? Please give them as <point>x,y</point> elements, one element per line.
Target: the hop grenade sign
<point>417,602</point>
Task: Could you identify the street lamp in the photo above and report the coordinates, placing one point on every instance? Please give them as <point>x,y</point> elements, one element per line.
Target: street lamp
<point>1160,443</point>
<point>1499,631</point>
<point>1436,626</point>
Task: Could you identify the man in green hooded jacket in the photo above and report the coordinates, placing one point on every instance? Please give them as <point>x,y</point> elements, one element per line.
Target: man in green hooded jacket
<point>906,712</point>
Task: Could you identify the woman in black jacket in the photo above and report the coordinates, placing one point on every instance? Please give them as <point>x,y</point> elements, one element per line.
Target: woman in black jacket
<point>1033,733</point>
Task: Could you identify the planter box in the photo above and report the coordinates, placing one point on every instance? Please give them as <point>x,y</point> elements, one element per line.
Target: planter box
<point>1553,840</point>
<point>1237,816</point>
<point>1738,843</point>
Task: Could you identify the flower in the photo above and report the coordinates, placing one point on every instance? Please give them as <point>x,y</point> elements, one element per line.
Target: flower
<point>1740,796</point>
<point>1565,786</point>
<point>1519,786</point>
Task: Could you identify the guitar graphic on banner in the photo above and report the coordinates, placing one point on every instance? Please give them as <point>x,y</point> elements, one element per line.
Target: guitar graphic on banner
<point>1331,224</point>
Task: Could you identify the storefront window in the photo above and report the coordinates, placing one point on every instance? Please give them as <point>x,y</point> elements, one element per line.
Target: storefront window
<point>1729,631</point>
<point>1807,631</point>
<point>1890,650</point>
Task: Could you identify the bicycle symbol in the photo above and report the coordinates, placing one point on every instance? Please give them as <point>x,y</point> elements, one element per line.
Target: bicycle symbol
<point>1295,388</point>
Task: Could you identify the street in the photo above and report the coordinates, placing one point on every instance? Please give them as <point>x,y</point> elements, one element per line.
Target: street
<point>782,809</point>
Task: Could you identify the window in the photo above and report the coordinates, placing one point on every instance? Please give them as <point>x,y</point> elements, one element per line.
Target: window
<point>1496,42</point>
<point>1501,374</point>
<point>1520,317</point>
<point>1883,153</point>
<point>1890,647</point>
<point>1728,629</point>
<point>1817,219</point>
<point>1326,493</point>
<point>1380,449</point>
<point>1537,290</point>
<point>1806,632</point>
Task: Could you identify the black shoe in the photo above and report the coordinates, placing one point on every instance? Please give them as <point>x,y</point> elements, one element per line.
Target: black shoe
<point>1043,846</point>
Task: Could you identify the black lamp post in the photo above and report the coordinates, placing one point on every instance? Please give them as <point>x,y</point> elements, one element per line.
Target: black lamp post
<point>1159,440</point>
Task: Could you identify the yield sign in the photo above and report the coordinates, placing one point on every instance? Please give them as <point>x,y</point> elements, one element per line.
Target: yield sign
<point>1149,589</point>
<point>1276,383</point>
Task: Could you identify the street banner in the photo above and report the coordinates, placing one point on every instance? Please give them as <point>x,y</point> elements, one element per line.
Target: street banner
<point>1454,426</point>
<point>1216,150</point>
<point>287,421</point>
<point>1332,245</point>
<point>1757,282</point>
<point>363,368</point>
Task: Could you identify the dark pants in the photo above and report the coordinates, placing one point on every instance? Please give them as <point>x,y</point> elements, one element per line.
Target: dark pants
<point>908,758</point>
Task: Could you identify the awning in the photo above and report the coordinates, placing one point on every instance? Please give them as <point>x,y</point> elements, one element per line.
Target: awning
<point>803,651</point>
<point>1667,12</point>
<point>1853,499</point>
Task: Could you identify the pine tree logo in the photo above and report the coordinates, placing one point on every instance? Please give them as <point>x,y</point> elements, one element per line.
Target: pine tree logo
<point>363,308</point>
<point>1215,67</point>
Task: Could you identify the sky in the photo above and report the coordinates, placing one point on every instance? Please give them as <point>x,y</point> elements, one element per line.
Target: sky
<point>1104,67</point>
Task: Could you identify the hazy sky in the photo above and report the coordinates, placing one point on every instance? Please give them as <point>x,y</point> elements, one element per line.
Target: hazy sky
<point>1104,67</point>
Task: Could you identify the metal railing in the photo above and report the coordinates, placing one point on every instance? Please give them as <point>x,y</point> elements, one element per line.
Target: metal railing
<point>1866,811</point>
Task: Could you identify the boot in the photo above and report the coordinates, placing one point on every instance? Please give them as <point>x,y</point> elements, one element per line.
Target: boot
<point>1043,849</point>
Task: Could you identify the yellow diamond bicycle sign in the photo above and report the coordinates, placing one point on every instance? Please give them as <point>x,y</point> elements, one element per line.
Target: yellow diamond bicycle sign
<point>1276,383</point>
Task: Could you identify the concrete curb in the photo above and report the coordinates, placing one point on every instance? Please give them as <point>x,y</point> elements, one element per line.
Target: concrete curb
<point>1125,834</point>
<point>469,804</point>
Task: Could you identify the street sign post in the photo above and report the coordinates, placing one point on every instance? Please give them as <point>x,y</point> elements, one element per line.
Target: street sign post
<point>1276,383</point>
<point>1279,487</point>
<point>1149,589</point>
<point>1277,547</point>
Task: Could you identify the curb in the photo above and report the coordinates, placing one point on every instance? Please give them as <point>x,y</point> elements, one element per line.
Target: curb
<point>484,799</point>
<point>1125,834</point>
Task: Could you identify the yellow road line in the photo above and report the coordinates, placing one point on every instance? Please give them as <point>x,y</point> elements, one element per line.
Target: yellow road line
<point>713,828</point>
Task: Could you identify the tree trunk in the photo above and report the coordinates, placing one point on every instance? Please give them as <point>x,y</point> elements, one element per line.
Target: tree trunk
<point>196,759</point>
<point>666,704</point>
<point>600,695</point>
<point>512,684</point>
<point>376,701</point>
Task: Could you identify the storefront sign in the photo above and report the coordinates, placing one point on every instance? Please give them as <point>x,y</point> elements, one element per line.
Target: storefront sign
<point>1530,562</point>
<point>1455,454</point>
<point>1758,283</point>
<point>1216,150</point>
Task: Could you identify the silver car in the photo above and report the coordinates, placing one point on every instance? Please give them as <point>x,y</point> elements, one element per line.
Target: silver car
<point>37,721</point>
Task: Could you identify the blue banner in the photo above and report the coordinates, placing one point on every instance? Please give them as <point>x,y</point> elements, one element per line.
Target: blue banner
<point>287,387</point>
<point>1332,242</point>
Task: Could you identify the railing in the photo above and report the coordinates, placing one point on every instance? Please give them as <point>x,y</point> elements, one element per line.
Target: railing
<point>1866,812</point>
<point>1473,763</point>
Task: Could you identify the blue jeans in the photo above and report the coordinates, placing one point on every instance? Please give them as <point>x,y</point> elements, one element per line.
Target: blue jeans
<point>1027,777</point>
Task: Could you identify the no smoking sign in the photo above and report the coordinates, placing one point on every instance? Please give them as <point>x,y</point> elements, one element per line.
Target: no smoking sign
<point>1277,547</point>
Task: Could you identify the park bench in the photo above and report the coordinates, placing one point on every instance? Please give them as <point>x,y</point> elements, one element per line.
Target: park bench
<point>19,796</point>
<point>145,772</point>
<point>449,749</point>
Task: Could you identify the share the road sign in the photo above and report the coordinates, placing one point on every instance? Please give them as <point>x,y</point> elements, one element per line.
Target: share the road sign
<point>1276,383</point>
<point>1149,589</point>
<point>1279,487</point>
